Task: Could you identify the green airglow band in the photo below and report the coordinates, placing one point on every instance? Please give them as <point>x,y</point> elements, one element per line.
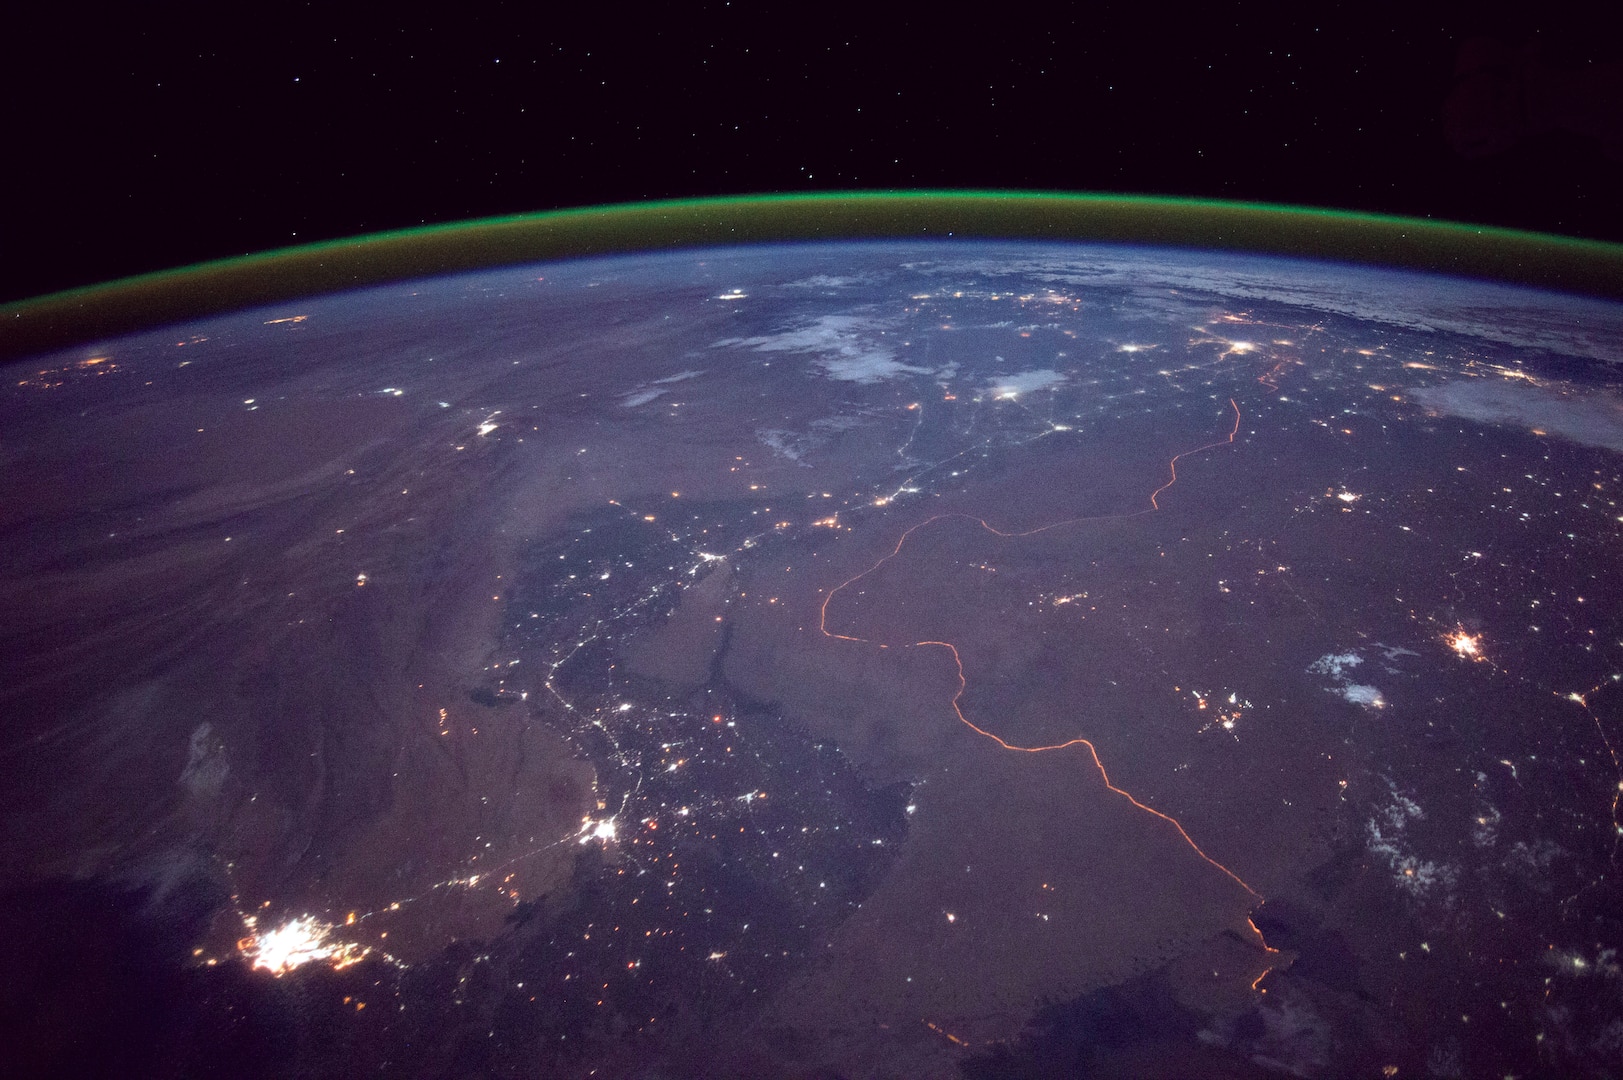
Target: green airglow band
<point>88,314</point>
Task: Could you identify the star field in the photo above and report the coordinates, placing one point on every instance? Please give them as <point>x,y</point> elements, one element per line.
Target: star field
<point>151,140</point>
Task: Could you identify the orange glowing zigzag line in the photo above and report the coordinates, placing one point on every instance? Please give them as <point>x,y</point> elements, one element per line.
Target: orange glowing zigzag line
<point>1172,468</point>
<point>943,1031</point>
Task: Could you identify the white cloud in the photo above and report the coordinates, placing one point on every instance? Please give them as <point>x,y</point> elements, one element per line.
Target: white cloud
<point>1363,695</point>
<point>1335,664</point>
<point>1386,839</point>
<point>846,347</point>
<point>1024,382</point>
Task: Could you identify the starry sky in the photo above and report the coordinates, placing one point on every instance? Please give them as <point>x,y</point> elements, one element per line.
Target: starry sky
<point>154,136</point>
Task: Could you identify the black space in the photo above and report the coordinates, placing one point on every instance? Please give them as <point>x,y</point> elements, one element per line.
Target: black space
<point>146,136</point>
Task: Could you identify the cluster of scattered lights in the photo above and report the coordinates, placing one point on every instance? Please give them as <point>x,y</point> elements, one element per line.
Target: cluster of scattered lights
<point>305,940</point>
<point>1466,645</point>
<point>602,829</point>
<point>295,943</point>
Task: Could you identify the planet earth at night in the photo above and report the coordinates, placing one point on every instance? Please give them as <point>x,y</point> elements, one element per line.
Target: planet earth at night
<point>874,659</point>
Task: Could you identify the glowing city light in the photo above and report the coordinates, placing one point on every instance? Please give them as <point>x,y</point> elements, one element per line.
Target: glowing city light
<point>295,943</point>
<point>597,830</point>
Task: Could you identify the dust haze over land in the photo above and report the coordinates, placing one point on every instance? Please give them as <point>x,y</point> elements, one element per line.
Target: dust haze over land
<point>830,657</point>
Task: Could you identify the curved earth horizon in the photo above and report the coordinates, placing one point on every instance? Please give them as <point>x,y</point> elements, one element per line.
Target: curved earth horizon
<point>882,657</point>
